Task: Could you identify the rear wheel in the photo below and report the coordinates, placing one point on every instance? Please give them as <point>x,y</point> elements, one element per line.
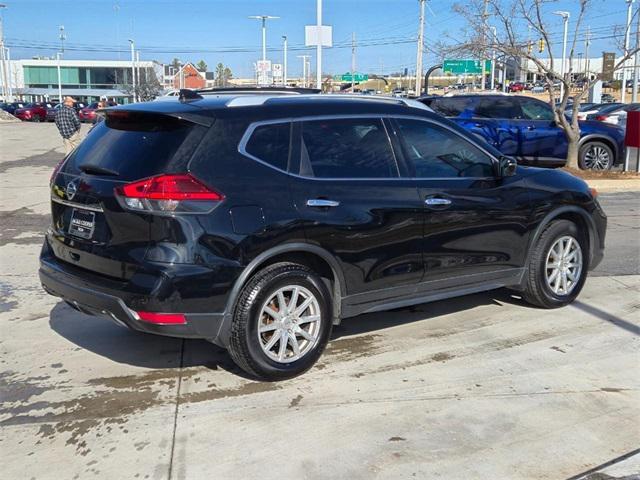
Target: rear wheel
<point>595,156</point>
<point>282,322</point>
<point>558,266</point>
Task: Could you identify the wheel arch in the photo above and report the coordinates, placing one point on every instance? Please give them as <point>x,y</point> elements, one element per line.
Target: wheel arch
<point>594,137</point>
<point>574,214</point>
<point>313,256</point>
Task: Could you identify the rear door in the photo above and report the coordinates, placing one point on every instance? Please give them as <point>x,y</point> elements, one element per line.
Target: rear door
<point>475,224</point>
<point>501,111</point>
<point>90,228</point>
<point>353,203</point>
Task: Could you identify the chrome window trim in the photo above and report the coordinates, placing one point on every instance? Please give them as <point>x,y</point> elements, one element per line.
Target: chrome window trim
<point>92,207</point>
<point>250,129</point>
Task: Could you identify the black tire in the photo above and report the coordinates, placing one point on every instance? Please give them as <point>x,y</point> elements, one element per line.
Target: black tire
<point>537,290</point>
<point>588,163</point>
<point>36,119</point>
<point>244,346</point>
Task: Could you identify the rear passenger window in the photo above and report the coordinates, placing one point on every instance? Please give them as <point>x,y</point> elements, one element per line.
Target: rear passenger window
<point>270,143</point>
<point>436,152</point>
<point>491,107</point>
<point>453,106</point>
<point>346,148</point>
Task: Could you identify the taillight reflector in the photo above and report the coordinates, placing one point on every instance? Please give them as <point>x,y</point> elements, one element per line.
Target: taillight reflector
<point>162,318</point>
<point>170,187</point>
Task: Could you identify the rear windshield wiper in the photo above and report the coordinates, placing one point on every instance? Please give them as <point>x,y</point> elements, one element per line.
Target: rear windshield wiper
<point>97,170</point>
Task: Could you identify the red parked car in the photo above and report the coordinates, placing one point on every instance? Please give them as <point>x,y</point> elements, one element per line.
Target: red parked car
<point>88,114</point>
<point>32,112</point>
<point>516,87</point>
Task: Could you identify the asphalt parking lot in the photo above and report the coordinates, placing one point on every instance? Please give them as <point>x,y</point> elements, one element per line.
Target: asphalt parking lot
<point>477,387</point>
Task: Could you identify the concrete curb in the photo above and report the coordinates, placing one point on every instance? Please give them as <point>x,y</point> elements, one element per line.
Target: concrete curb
<point>607,185</point>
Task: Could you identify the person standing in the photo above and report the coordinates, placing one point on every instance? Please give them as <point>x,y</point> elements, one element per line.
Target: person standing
<point>68,125</point>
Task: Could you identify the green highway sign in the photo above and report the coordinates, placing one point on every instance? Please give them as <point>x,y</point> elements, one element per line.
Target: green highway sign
<point>469,67</point>
<point>358,77</point>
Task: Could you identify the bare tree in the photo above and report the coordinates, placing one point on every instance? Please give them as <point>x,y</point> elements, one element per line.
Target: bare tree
<point>513,20</point>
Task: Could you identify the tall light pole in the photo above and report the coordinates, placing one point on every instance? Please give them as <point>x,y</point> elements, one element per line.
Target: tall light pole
<point>264,19</point>
<point>284,68</point>
<point>353,62</point>
<point>62,38</point>
<point>623,97</point>
<point>9,82</point>
<point>493,58</point>
<point>636,70</point>
<point>319,46</point>
<point>58,55</point>
<point>3,70</point>
<point>133,68</point>
<point>565,18</point>
<point>304,68</point>
<point>420,47</point>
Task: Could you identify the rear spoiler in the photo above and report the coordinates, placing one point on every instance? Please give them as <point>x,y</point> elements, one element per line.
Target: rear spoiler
<point>198,117</point>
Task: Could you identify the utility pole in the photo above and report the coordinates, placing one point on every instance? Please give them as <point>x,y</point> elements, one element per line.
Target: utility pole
<point>420,47</point>
<point>58,55</point>
<point>138,69</point>
<point>319,46</point>
<point>9,81</point>
<point>133,69</point>
<point>3,69</point>
<point>636,68</point>
<point>623,97</point>
<point>563,71</point>
<point>493,58</point>
<point>353,62</point>
<point>483,84</point>
<point>284,73</point>
<point>587,42</point>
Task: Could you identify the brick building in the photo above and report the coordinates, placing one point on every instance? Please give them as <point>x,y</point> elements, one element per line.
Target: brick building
<point>189,77</point>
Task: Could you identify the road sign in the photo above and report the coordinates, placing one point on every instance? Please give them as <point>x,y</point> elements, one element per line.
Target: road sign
<point>608,64</point>
<point>358,77</point>
<point>277,70</point>
<point>263,66</point>
<point>314,35</point>
<point>469,67</point>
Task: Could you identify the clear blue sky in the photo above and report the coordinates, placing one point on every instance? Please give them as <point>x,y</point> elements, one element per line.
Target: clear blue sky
<point>208,29</point>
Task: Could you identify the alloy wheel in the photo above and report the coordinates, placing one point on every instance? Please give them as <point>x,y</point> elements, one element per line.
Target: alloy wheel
<point>564,265</point>
<point>597,158</point>
<point>289,325</point>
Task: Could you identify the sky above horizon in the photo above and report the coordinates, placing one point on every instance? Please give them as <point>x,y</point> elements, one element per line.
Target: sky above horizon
<point>219,31</point>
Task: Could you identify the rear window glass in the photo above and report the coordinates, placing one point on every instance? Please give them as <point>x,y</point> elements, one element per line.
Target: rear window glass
<point>138,145</point>
<point>270,143</point>
<point>346,148</point>
<point>503,107</point>
<point>453,106</point>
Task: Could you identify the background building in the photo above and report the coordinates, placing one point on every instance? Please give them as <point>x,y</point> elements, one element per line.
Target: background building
<point>85,80</point>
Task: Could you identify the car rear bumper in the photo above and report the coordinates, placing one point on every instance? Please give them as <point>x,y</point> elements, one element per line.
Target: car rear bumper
<point>102,298</point>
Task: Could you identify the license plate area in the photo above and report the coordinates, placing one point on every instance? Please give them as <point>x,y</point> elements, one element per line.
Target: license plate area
<point>82,223</point>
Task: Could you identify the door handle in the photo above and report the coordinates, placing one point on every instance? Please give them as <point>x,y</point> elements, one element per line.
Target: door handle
<point>530,127</point>
<point>437,202</point>
<point>322,202</point>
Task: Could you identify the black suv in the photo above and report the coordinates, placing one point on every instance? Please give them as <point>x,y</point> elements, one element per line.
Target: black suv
<point>258,222</point>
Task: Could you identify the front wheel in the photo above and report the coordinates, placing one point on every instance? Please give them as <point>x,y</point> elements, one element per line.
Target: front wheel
<point>558,266</point>
<point>595,156</point>
<point>282,322</point>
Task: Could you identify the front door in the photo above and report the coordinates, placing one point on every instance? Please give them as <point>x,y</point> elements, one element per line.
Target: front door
<point>474,223</point>
<point>353,202</point>
<point>542,140</point>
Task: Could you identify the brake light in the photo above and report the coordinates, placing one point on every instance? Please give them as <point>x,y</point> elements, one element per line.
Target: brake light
<point>162,318</point>
<point>601,118</point>
<point>169,193</point>
<point>593,192</point>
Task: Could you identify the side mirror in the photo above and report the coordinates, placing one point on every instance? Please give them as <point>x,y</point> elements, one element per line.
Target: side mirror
<point>507,166</point>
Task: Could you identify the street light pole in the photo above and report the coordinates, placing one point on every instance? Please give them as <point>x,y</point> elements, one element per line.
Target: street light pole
<point>284,68</point>
<point>304,69</point>
<point>493,59</point>
<point>319,46</point>
<point>565,17</point>
<point>263,19</point>
<point>623,97</point>
<point>133,68</point>
<point>3,70</point>
<point>420,46</point>
<point>58,55</point>
<point>636,69</point>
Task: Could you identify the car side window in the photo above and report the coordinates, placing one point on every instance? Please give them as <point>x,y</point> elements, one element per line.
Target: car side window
<point>346,148</point>
<point>532,110</point>
<point>437,152</point>
<point>502,107</point>
<point>270,143</point>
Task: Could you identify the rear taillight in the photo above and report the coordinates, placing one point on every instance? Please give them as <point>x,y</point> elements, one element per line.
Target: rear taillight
<point>162,318</point>
<point>181,193</point>
<point>601,118</point>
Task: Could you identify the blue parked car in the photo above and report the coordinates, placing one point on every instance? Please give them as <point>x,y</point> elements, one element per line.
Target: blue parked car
<point>523,128</point>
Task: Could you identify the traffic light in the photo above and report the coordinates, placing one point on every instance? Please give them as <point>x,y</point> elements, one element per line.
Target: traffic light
<point>529,48</point>
<point>541,45</point>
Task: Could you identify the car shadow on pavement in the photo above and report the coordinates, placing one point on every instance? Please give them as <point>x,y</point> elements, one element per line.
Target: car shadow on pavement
<point>103,337</point>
